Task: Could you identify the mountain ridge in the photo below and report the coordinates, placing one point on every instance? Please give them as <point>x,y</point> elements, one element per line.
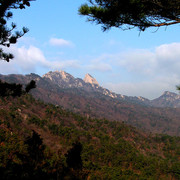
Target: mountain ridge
<point>88,79</point>
<point>66,80</point>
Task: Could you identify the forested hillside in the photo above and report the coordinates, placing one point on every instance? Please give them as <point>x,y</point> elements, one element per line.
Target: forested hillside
<point>39,140</point>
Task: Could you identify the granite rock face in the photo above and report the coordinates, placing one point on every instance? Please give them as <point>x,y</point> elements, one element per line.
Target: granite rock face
<point>89,79</point>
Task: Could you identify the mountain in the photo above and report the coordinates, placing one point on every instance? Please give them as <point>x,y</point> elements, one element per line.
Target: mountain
<point>90,99</point>
<point>167,99</point>
<point>66,81</point>
<point>63,80</point>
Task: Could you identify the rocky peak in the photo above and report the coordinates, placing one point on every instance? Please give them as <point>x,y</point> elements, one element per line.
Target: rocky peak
<point>65,75</point>
<point>89,79</point>
<point>169,94</point>
<point>58,76</point>
<point>167,99</point>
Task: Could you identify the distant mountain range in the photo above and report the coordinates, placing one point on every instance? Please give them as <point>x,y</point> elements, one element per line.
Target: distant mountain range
<point>63,80</point>
<point>89,98</point>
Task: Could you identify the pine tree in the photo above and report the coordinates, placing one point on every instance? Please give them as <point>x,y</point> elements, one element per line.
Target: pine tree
<point>30,86</point>
<point>7,34</point>
<point>127,14</point>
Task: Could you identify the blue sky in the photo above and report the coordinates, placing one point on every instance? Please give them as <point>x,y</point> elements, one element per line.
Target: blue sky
<point>126,62</point>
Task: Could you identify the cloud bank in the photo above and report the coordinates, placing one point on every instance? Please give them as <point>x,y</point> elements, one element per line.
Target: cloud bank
<point>164,59</point>
<point>150,72</point>
<point>32,59</point>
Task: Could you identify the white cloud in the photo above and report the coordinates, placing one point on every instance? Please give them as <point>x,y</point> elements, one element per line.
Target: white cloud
<point>60,42</point>
<point>138,61</point>
<point>31,59</point>
<point>168,58</point>
<point>164,59</point>
<point>168,51</point>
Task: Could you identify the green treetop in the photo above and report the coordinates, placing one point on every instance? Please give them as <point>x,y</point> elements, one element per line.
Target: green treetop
<point>7,34</point>
<point>127,14</point>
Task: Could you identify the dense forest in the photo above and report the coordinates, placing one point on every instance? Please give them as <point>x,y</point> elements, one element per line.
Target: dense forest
<point>39,140</point>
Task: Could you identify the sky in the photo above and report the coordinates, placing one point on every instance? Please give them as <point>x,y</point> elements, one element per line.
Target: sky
<point>128,62</point>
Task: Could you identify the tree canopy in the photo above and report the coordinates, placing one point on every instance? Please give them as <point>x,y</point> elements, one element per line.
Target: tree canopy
<point>30,85</point>
<point>127,14</point>
<point>7,34</point>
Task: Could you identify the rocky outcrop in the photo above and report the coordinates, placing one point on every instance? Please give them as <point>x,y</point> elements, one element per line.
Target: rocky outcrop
<point>89,79</point>
<point>63,79</point>
<point>167,99</point>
